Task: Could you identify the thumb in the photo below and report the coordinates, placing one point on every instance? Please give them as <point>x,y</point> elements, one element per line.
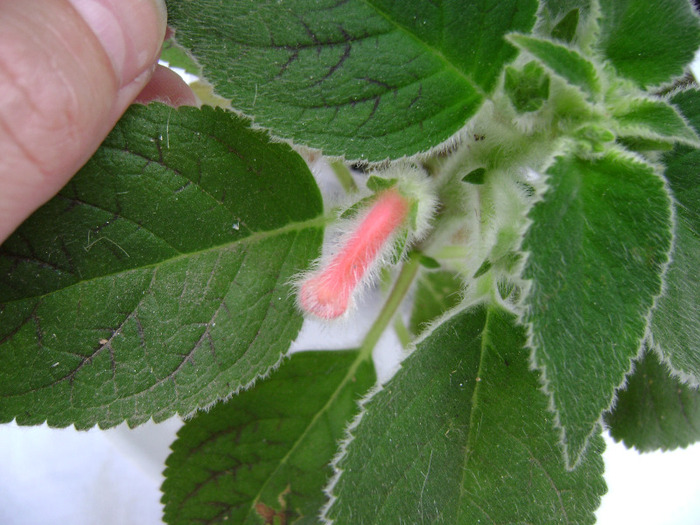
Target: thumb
<point>68,70</point>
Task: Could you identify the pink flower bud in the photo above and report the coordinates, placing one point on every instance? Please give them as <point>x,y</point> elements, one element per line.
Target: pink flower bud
<point>327,293</point>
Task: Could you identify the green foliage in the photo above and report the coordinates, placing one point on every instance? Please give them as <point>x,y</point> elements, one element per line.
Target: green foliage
<point>557,17</point>
<point>177,57</point>
<point>653,119</point>
<point>436,293</point>
<point>655,411</point>
<point>565,62</point>
<point>553,234</point>
<point>376,184</point>
<point>528,88</point>
<point>366,80</point>
<point>597,249</point>
<point>475,176</point>
<point>479,427</point>
<point>157,281</point>
<point>648,41</point>
<point>566,27</point>
<point>675,326</point>
<point>266,452</point>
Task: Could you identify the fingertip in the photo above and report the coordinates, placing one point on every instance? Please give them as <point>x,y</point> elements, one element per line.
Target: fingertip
<point>167,87</point>
<point>68,70</point>
<point>131,32</point>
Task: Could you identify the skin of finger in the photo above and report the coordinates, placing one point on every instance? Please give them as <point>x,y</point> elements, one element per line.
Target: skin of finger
<point>167,87</point>
<point>59,97</point>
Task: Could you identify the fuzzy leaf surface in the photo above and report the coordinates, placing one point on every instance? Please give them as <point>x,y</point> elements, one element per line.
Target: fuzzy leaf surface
<point>367,79</point>
<point>457,435</point>
<point>654,411</point>
<point>436,292</point>
<point>528,88</point>
<point>675,325</point>
<point>653,119</point>
<point>266,453</point>
<point>649,41</point>
<point>157,280</point>
<point>565,62</point>
<point>565,29</point>
<point>598,243</point>
<point>555,18</point>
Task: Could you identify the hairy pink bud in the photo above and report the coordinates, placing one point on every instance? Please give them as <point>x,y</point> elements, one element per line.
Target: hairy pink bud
<point>327,293</point>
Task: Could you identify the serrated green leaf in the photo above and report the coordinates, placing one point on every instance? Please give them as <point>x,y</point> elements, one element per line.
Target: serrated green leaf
<point>598,244</point>
<point>264,456</point>
<point>654,411</point>
<point>565,62</point>
<point>675,325</point>
<point>649,41</point>
<point>436,292</point>
<point>157,281</point>
<point>457,435</point>
<point>652,119</point>
<point>364,79</point>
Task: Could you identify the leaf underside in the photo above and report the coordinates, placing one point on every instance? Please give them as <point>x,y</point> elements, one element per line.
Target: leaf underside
<point>363,79</point>
<point>157,281</point>
<point>265,454</point>
<point>459,433</point>
<point>597,247</point>
<point>654,411</point>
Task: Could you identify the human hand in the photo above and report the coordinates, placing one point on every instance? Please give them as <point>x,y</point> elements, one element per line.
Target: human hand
<point>68,70</point>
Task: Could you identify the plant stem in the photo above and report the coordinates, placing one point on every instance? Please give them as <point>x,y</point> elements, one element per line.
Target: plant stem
<point>402,332</point>
<point>397,295</point>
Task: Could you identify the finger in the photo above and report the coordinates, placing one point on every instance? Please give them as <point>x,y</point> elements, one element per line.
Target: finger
<point>68,70</point>
<point>167,87</point>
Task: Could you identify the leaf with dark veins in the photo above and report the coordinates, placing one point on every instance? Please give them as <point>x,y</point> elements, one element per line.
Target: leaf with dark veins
<point>157,281</point>
<point>265,453</point>
<point>359,78</point>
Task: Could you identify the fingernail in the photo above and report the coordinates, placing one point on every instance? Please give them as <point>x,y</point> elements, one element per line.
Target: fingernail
<point>130,31</point>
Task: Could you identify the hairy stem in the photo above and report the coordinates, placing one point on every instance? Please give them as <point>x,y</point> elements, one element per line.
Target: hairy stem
<point>396,297</point>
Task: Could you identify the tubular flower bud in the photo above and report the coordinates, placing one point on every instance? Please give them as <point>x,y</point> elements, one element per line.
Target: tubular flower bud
<point>327,293</point>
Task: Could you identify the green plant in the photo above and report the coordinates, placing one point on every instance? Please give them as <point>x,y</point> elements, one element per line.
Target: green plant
<point>543,164</point>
